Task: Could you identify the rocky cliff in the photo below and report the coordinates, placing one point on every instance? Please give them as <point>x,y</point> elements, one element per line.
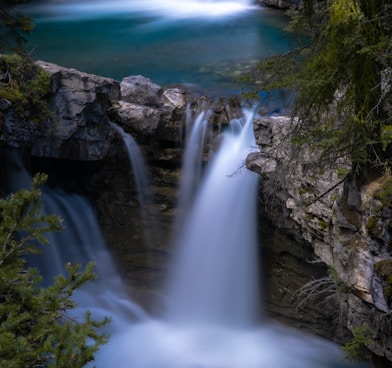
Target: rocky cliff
<point>345,222</point>
<point>325,238</point>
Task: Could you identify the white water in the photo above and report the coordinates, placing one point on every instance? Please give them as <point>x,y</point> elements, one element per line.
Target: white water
<point>215,328</point>
<point>192,167</point>
<point>214,277</point>
<point>172,9</point>
<point>137,165</point>
<point>211,319</point>
<point>82,242</point>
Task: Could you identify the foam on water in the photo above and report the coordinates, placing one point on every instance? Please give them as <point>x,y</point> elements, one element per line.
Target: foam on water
<point>158,344</point>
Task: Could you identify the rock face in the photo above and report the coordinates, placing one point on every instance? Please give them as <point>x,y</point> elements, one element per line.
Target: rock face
<point>80,128</point>
<point>345,223</point>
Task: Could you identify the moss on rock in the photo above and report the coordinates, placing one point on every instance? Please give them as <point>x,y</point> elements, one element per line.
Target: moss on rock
<point>384,269</point>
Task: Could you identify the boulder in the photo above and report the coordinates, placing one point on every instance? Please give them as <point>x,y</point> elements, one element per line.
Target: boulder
<point>137,119</point>
<point>141,91</point>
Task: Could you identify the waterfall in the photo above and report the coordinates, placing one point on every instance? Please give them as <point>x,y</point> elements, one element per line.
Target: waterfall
<point>214,277</point>
<point>191,170</point>
<point>82,242</point>
<point>137,164</point>
<point>211,321</point>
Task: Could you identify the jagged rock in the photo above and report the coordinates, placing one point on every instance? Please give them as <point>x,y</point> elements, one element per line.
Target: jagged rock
<point>80,128</point>
<point>84,107</point>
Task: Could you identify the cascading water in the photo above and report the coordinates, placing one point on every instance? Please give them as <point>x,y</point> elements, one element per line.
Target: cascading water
<point>135,158</point>
<point>192,166</point>
<point>80,242</point>
<point>214,277</point>
<point>214,327</point>
<point>211,320</point>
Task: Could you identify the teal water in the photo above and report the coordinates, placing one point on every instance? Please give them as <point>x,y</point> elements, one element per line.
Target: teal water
<point>169,46</point>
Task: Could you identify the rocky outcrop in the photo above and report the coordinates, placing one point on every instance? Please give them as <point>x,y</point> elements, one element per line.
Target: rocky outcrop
<point>84,106</point>
<point>346,224</point>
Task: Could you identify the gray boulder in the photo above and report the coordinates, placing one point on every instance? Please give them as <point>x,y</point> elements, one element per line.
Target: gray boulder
<point>141,91</point>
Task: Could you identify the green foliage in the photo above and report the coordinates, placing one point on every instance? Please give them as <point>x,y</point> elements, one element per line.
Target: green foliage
<point>14,27</point>
<point>384,194</point>
<point>339,77</point>
<point>25,85</point>
<point>35,328</point>
<point>340,285</point>
<point>356,349</point>
<point>342,172</point>
<point>323,225</point>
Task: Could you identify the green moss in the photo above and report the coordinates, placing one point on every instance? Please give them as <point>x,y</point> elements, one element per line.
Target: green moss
<point>386,135</point>
<point>356,349</point>
<point>372,225</point>
<point>342,172</point>
<point>26,86</point>
<point>340,285</point>
<point>323,224</point>
<point>385,193</point>
<point>384,269</point>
